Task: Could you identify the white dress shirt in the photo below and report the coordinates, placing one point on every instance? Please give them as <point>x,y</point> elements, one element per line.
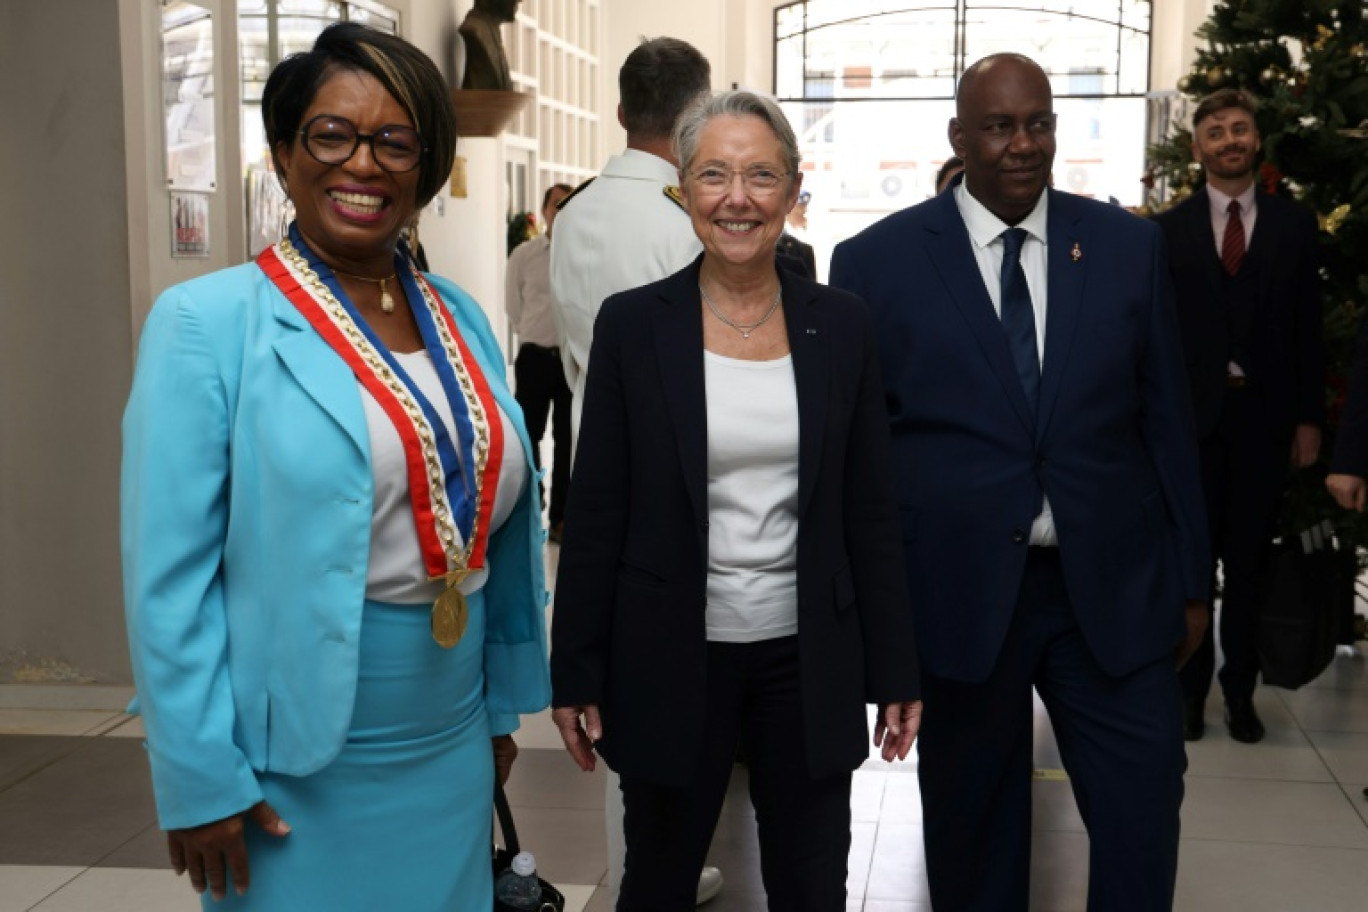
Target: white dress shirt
<point>1249,213</point>
<point>985,235</point>
<point>618,233</point>
<point>527,293</point>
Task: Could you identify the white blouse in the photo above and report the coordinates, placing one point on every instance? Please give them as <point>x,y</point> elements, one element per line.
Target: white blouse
<point>396,572</point>
<point>752,499</point>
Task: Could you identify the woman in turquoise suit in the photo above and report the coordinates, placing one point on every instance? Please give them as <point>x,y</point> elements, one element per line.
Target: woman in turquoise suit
<point>332,544</point>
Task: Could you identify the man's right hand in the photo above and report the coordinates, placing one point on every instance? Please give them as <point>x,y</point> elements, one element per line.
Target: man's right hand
<point>1348,490</point>
<point>1197,616</point>
<point>579,739</point>
<point>209,852</point>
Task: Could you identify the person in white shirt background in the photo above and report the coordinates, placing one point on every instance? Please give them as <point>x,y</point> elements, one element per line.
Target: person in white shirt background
<point>541,388</point>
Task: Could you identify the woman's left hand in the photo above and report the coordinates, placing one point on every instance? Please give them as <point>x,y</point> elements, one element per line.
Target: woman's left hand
<point>505,752</point>
<point>897,728</point>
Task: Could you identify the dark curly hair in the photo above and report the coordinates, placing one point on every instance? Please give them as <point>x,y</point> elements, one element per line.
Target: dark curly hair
<point>407,74</point>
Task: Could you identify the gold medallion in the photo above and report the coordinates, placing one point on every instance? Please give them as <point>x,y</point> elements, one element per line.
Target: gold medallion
<point>449,615</point>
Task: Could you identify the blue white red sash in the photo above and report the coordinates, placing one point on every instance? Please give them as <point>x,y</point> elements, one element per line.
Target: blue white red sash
<point>452,483</point>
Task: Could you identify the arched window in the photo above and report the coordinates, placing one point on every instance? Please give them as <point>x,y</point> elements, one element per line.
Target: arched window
<point>869,85</point>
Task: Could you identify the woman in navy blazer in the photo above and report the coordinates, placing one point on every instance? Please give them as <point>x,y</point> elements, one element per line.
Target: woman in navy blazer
<point>732,568</point>
<point>330,648</point>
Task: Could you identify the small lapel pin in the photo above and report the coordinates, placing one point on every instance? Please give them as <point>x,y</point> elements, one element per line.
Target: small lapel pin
<point>1077,253</point>
<point>811,331</point>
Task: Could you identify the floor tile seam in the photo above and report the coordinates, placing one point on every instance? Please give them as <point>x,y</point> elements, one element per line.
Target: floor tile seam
<point>60,887</point>
<point>1280,845</point>
<point>1361,798</point>
<point>48,762</point>
<point>1321,756</point>
<point>1289,780</point>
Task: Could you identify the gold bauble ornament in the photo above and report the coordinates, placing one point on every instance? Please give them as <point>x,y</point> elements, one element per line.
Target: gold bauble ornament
<point>1331,223</point>
<point>1269,75</point>
<point>1185,83</point>
<point>1215,76</point>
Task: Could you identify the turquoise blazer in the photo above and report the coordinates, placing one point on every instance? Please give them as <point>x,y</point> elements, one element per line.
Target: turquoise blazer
<point>247,496</point>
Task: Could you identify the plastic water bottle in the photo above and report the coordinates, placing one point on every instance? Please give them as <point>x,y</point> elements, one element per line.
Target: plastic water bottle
<point>518,887</point>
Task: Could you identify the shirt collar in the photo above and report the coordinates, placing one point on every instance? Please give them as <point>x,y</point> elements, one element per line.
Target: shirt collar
<point>1220,202</point>
<point>985,227</point>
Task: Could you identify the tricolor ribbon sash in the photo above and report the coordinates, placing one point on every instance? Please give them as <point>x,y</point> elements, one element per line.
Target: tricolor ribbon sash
<point>452,490</point>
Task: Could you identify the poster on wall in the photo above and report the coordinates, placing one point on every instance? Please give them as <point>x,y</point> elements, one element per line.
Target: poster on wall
<point>188,95</point>
<point>189,225</point>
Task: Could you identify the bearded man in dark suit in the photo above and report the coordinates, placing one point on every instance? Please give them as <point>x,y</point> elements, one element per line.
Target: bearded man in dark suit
<point>1244,270</point>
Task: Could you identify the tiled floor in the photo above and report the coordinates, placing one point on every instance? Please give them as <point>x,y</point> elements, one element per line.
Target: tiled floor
<point>1281,826</point>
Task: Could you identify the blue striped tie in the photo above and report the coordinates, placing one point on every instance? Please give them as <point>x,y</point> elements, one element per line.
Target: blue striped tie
<point>1018,316</point>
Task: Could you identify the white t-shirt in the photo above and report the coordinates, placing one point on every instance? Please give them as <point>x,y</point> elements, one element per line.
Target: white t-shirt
<point>752,499</point>
<point>396,572</point>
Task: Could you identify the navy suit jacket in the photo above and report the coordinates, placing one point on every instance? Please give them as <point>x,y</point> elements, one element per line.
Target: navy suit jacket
<point>1113,446</point>
<point>1286,356</point>
<point>628,629</point>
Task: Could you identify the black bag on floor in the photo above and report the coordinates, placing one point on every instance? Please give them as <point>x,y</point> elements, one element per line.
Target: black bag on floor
<point>1299,624</point>
<point>551,898</point>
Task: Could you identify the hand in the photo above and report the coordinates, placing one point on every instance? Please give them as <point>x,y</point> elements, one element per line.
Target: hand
<point>897,728</point>
<point>505,752</point>
<point>1347,490</point>
<point>208,852</point>
<point>1198,617</point>
<point>1305,445</point>
<point>579,739</point>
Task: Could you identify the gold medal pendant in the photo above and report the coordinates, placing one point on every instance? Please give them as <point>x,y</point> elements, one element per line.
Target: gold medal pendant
<point>449,615</point>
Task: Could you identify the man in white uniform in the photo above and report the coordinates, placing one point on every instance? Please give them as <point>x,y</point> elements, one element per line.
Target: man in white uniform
<point>622,230</point>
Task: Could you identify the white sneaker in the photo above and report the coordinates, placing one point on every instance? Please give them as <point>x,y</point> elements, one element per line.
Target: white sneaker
<point>709,885</point>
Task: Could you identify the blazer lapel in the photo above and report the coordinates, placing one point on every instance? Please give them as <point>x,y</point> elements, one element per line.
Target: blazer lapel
<point>810,345</point>
<point>678,338</point>
<point>949,247</point>
<point>1204,238</point>
<point>321,372</point>
<point>1065,279</point>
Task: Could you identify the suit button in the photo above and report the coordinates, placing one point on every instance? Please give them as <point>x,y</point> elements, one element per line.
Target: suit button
<point>1018,536</point>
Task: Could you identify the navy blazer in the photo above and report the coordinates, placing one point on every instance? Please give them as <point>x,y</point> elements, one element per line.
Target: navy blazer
<point>1286,348</point>
<point>1113,446</point>
<point>628,629</point>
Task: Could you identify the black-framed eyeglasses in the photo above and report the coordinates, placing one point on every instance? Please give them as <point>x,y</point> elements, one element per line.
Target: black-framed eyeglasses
<point>334,140</point>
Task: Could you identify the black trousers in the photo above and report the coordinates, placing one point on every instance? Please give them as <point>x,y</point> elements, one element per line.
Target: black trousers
<point>1122,746</point>
<point>804,823</point>
<point>1244,468</point>
<point>541,389</point>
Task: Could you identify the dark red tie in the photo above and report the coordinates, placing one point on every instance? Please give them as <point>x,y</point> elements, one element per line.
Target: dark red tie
<point>1233,244</point>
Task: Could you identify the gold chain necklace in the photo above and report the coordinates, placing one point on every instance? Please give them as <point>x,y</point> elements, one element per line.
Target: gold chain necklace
<point>386,301</point>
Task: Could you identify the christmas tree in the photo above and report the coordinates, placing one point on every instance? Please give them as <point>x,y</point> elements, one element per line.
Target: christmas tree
<point>1306,61</point>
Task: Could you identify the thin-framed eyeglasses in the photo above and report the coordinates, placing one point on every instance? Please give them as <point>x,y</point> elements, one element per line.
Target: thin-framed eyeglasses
<point>334,140</point>
<point>757,178</point>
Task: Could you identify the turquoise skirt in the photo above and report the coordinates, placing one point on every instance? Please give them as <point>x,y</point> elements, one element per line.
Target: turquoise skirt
<point>401,820</point>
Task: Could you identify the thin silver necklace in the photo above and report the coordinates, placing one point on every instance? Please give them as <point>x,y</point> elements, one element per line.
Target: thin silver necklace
<point>745,329</point>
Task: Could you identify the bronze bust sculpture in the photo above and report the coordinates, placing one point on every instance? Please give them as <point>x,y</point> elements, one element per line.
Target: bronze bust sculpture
<point>486,64</point>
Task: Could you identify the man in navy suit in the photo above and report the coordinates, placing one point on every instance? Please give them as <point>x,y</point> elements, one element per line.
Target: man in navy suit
<point>1244,270</point>
<point>1051,507</point>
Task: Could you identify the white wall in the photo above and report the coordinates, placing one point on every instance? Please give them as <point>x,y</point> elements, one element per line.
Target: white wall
<point>65,337</point>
